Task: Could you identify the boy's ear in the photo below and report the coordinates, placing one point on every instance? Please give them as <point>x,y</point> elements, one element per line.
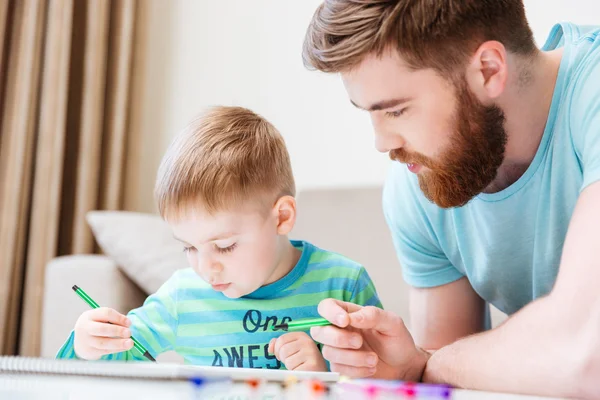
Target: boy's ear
<point>285,213</point>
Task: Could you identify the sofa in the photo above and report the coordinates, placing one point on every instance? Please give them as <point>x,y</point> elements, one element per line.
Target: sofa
<point>139,254</point>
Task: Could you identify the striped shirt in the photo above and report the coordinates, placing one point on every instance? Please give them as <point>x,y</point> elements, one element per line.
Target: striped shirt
<point>207,328</point>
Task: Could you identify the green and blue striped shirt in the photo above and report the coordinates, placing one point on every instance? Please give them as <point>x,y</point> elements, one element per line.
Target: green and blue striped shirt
<point>207,328</point>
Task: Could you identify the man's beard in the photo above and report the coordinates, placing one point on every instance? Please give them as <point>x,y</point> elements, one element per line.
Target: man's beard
<point>471,162</point>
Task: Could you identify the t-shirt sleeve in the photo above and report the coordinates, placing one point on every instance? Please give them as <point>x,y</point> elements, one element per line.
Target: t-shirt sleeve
<point>585,117</point>
<point>422,260</point>
<point>364,292</point>
<point>155,323</point>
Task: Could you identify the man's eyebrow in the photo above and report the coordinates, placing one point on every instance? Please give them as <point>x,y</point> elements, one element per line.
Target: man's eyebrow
<point>382,105</point>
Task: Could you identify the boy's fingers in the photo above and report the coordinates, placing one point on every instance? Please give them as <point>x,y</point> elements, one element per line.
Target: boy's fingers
<point>108,330</point>
<point>272,346</point>
<point>111,345</point>
<point>90,354</point>
<point>288,350</point>
<point>294,361</point>
<point>105,314</point>
<point>283,340</point>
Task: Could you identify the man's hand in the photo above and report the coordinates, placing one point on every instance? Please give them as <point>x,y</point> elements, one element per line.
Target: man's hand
<point>368,341</point>
<point>298,352</point>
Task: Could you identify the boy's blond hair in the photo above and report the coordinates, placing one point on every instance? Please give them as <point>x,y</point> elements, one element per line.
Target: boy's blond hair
<point>224,157</point>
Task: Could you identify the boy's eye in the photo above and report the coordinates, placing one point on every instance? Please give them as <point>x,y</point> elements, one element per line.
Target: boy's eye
<point>227,249</point>
<point>188,249</point>
<point>395,114</point>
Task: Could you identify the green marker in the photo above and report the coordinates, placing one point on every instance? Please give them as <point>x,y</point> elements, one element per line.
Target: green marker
<point>301,325</point>
<point>90,302</point>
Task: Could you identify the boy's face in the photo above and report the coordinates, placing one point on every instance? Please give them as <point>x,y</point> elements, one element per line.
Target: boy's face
<point>235,251</point>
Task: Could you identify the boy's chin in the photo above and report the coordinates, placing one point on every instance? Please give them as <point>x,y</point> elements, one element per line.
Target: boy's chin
<point>233,293</point>
<point>236,293</point>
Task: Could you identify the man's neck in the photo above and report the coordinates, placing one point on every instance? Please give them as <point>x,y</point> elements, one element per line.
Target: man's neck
<point>526,105</point>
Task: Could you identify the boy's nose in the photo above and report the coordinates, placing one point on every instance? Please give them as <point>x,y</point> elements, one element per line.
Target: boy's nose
<point>215,267</point>
<point>210,266</point>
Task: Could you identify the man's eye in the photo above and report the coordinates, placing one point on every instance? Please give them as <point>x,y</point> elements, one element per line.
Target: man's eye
<point>395,114</point>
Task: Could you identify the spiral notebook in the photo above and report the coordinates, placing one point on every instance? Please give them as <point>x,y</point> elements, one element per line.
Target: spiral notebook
<point>146,370</point>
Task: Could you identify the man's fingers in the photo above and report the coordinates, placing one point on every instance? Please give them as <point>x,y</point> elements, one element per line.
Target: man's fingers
<point>105,314</point>
<point>107,330</point>
<point>111,345</point>
<point>356,358</point>
<point>336,311</point>
<point>336,337</point>
<point>384,322</point>
<point>352,372</point>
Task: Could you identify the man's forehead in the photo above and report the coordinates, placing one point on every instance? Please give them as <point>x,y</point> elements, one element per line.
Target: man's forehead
<point>387,62</point>
<point>379,83</point>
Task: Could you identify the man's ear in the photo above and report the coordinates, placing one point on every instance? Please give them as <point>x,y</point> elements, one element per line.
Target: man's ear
<point>487,72</point>
<point>285,214</point>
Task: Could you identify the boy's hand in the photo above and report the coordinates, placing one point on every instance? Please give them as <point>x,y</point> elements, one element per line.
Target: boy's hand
<point>298,352</point>
<point>101,331</point>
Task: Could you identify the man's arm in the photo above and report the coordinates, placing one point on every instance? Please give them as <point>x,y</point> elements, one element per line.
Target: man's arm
<point>551,346</point>
<point>442,315</point>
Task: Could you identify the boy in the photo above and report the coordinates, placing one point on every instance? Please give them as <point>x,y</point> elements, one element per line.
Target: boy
<point>225,187</point>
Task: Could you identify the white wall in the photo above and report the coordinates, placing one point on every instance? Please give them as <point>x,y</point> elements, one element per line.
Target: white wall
<point>543,14</point>
<point>248,53</point>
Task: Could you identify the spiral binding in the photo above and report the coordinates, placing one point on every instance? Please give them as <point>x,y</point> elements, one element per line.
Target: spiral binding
<point>33,365</point>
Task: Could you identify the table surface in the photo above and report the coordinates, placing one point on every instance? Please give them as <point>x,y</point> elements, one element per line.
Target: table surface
<point>33,387</point>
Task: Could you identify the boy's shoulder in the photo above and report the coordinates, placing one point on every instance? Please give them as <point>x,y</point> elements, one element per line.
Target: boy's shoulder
<point>338,277</point>
<point>335,263</point>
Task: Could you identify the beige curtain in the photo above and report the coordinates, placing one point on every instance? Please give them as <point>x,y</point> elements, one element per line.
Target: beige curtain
<point>65,72</point>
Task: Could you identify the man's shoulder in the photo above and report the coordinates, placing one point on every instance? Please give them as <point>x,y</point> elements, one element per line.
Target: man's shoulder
<point>582,91</point>
<point>582,56</point>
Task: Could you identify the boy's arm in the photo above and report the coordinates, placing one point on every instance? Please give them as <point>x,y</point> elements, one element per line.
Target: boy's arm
<point>154,325</point>
<point>364,292</point>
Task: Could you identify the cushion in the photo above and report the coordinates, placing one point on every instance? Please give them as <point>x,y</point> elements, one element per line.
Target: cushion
<point>142,245</point>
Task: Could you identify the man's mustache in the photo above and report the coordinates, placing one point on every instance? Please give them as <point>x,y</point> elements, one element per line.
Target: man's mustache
<point>404,157</point>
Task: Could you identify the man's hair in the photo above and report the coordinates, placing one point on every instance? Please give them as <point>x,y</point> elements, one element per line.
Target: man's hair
<point>437,34</point>
<point>225,157</point>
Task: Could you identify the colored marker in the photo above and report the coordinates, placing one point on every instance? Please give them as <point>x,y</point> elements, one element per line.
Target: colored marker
<point>90,302</point>
<point>301,325</point>
<point>402,389</point>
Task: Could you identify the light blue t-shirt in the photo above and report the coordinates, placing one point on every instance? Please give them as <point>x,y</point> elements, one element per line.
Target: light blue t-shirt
<point>508,244</point>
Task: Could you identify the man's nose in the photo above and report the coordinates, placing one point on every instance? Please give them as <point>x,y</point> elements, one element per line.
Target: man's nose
<point>384,139</point>
<point>385,142</point>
